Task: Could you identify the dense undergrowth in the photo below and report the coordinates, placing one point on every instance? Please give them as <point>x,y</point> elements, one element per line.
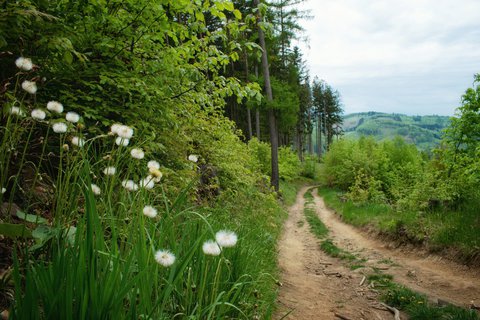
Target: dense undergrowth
<point>96,227</point>
<point>407,194</point>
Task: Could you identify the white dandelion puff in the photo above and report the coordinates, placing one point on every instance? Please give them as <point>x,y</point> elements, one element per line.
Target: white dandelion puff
<point>96,189</point>
<point>77,141</point>
<point>16,111</point>
<point>55,106</point>
<point>38,114</point>
<point>137,153</point>
<point>150,211</point>
<point>59,127</point>
<point>156,174</point>
<point>4,190</point>
<point>211,248</point>
<point>72,117</point>
<point>193,158</point>
<point>109,171</point>
<point>226,239</point>
<point>29,86</point>
<point>130,185</point>
<point>115,127</point>
<point>24,64</point>
<point>122,142</point>
<point>124,132</point>
<point>152,164</point>
<point>148,182</point>
<point>165,258</point>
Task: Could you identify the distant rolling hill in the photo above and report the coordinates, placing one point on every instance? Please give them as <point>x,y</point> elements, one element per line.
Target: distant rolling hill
<point>423,131</point>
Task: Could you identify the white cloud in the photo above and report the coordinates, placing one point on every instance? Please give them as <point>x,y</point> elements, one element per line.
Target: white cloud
<point>387,48</point>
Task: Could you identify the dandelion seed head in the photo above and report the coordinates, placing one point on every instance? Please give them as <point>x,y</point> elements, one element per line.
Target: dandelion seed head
<point>109,171</point>
<point>96,189</point>
<point>16,111</point>
<point>59,127</point>
<point>130,185</point>
<point>150,211</point>
<point>226,239</point>
<point>157,174</point>
<point>124,131</point>
<point>122,142</point>
<point>193,158</point>
<point>77,141</point>
<point>164,258</point>
<point>211,248</point>
<point>24,64</point>
<point>148,182</point>
<point>38,114</point>
<point>4,190</point>
<point>72,117</point>
<point>137,153</point>
<point>114,128</point>
<point>29,86</point>
<point>152,164</point>
<point>55,106</point>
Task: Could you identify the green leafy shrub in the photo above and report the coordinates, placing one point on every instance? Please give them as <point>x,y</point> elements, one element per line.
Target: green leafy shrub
<point>261,151</point>
<point>289,165</point>
<point>309,167</point>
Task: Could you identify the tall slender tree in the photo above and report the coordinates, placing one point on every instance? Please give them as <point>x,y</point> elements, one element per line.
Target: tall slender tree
<point>271,112</point>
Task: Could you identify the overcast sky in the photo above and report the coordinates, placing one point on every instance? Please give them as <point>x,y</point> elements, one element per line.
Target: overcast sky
<point>403,56</point>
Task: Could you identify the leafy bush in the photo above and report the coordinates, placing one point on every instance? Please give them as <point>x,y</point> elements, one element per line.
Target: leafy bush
<point>261,151</point>
<point>309,168</point>
<point>289,165</point>
<point>391,171</point>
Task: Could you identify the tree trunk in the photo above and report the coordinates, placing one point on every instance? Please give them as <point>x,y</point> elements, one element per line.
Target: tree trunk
<point>257,111</point>
<point>319,136</point>
<point>272,121</point>
<point>257,123</point>
<point>325,128</point>
<point>310,142</point>
<point>249,122</point>
<point>299,143</point>
<point>249,115</point>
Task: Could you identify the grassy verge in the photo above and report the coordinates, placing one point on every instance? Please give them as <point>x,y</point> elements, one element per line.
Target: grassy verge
<point>438,230</point>
<point>259,219</point>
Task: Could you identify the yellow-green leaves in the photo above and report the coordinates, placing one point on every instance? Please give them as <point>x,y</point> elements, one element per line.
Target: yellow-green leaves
<point>237,14</point>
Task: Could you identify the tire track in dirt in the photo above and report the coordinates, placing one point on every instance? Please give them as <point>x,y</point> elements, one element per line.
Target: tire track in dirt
<point>316,286</point>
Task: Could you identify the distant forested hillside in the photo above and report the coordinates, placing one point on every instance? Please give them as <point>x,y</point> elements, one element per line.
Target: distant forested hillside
<point>423,131</point>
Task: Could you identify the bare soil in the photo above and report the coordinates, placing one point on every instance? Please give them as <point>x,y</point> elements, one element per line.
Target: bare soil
<point>316,286</point>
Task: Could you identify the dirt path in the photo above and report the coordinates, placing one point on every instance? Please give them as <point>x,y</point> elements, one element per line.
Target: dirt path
<point>316,286</point>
